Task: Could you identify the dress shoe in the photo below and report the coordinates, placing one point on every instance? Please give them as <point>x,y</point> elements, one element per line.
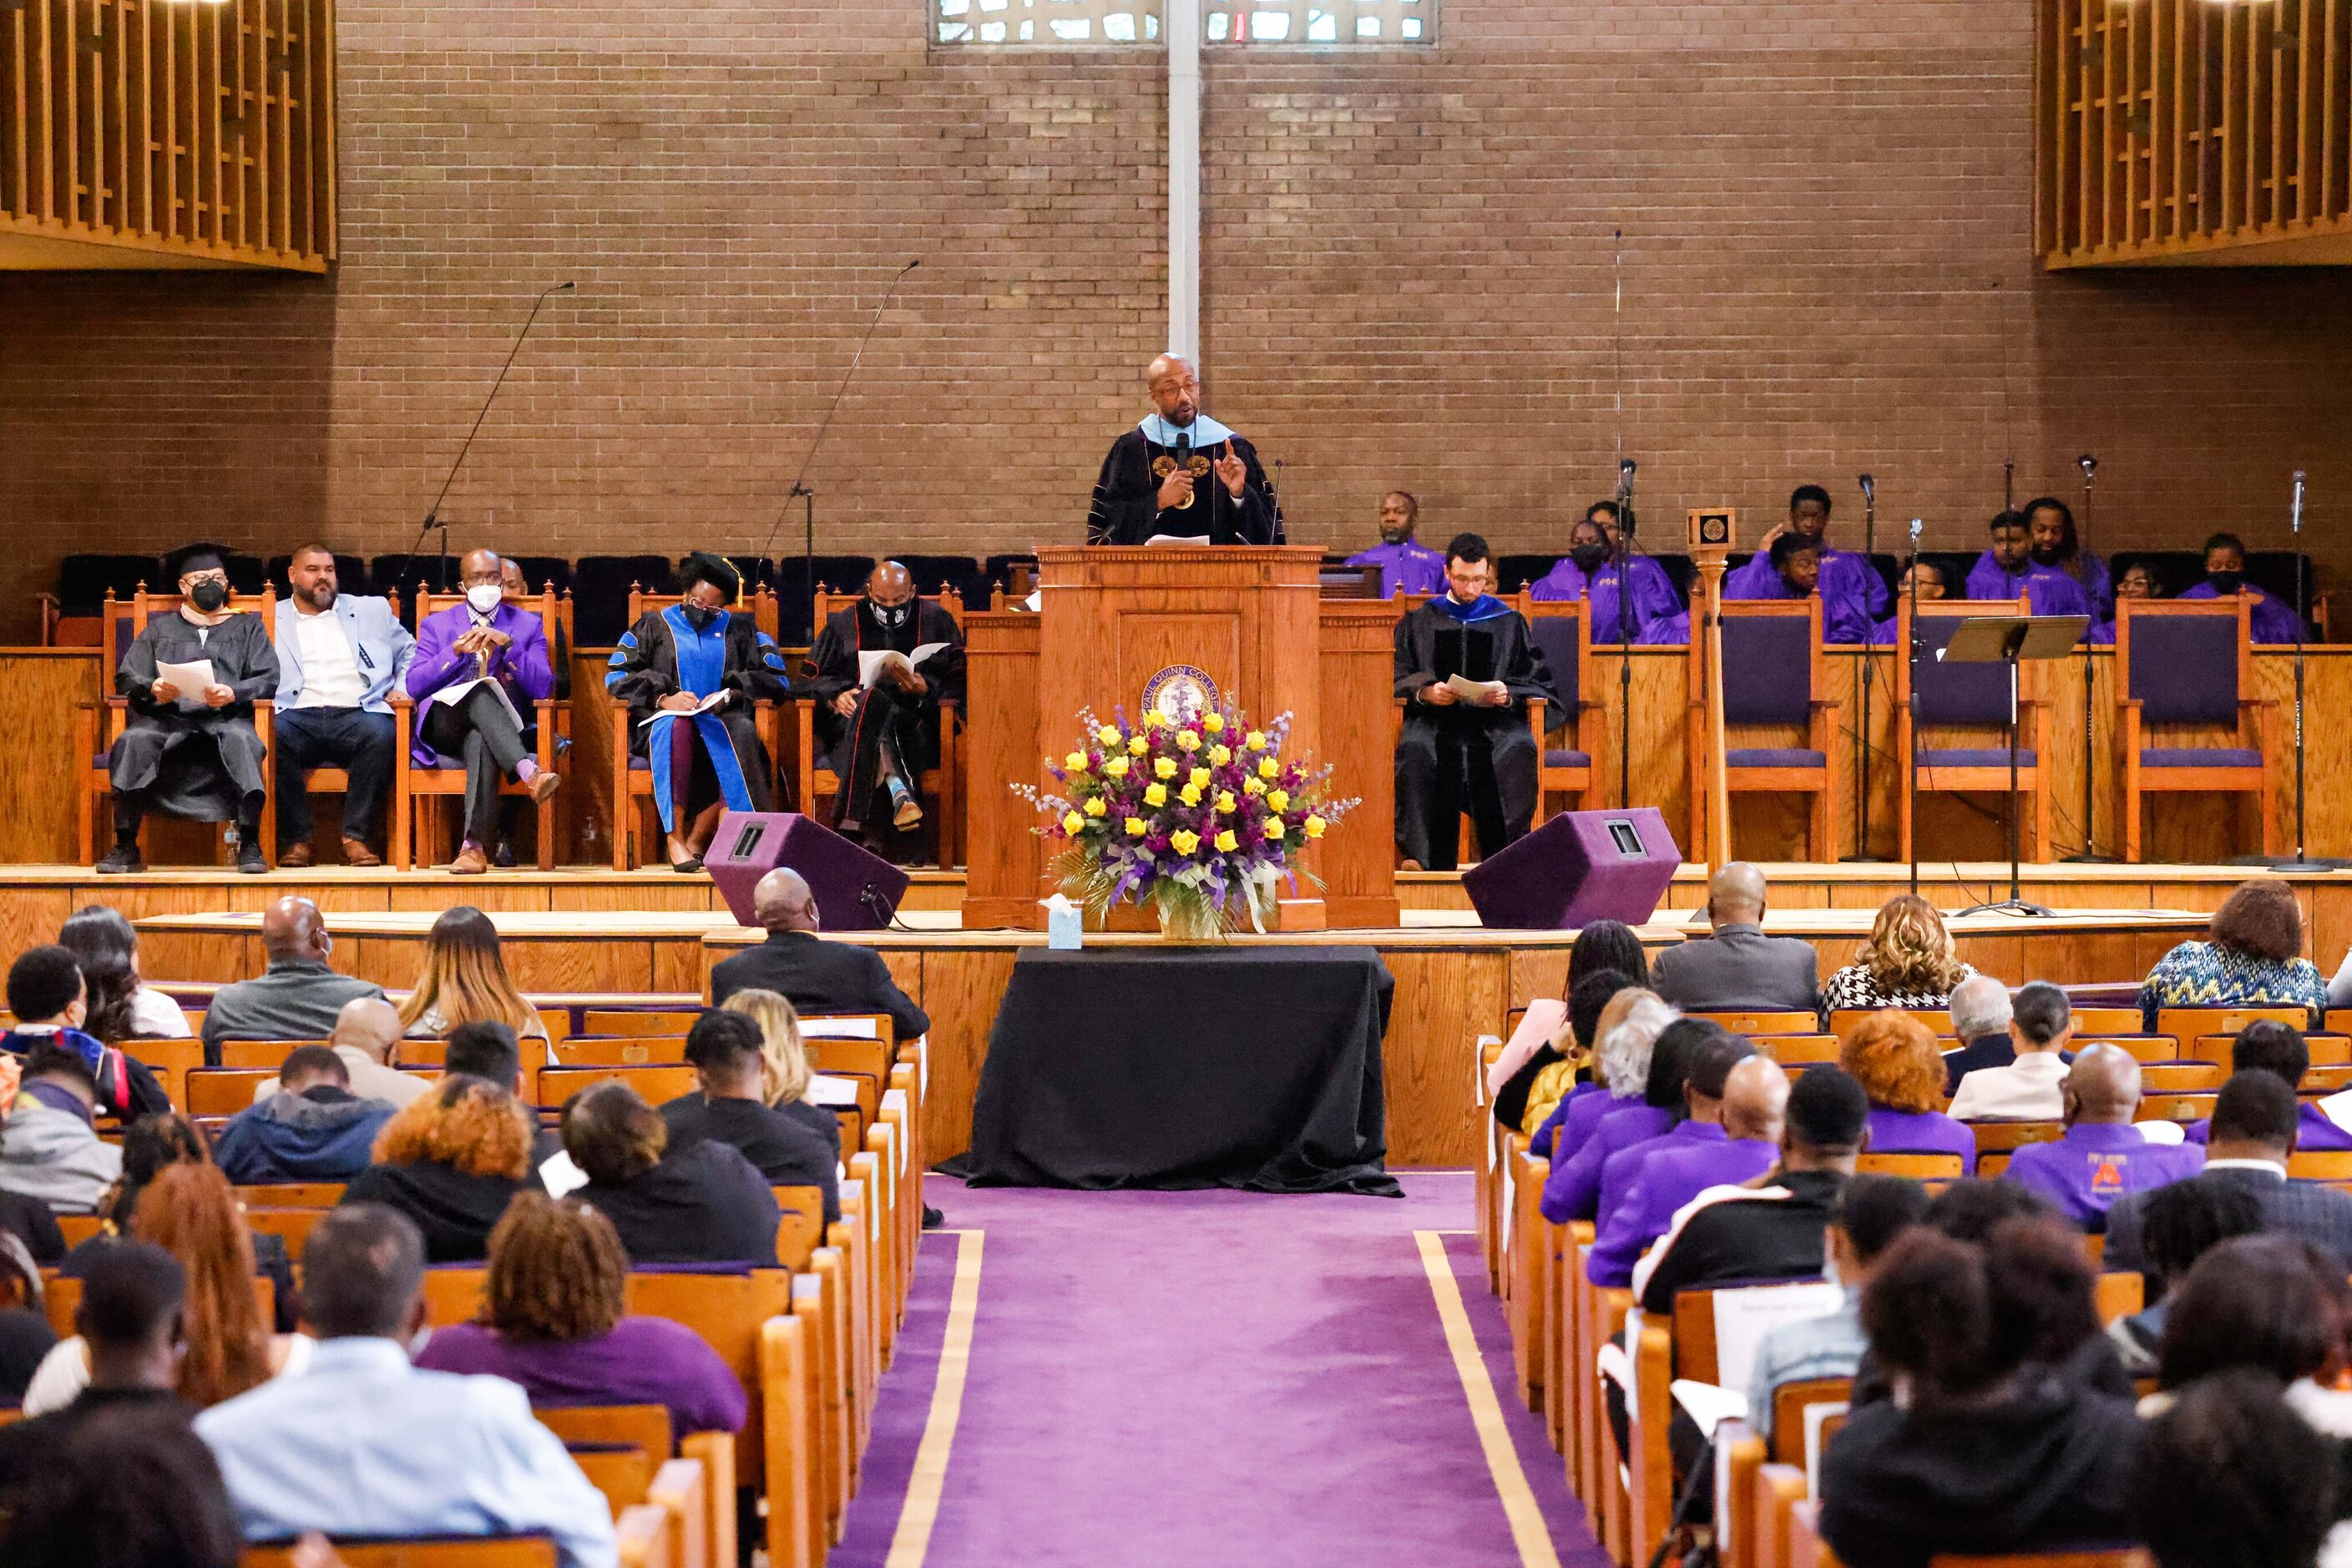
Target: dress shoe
<point>356,853</point>
<point>248,859</point>
<point>300,857</point>
<point>544,782</point>
<point>121,860</point>
<point>503,857</point>
<point>470,861</point>
<point>909,814</point>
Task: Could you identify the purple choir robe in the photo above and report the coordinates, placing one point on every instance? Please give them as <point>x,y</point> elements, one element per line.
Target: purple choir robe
<point>1659,618</point>
<point>1666,1173</point>
<point>1547,1135</point>
<point>1853,596</point>
<point>2095,1164</point>
<point>1571,1125</point>
<point>2048,591</point>
<point>2313,1130</point>
<point>2273,622</point>
<point>1406,568</point>
<point>1922,1132</point>
<point>1572,1188</point>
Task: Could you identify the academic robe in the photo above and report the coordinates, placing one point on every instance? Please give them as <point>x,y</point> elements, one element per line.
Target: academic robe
<point>1449,757</point>
<point>2274,621</point>
<point>664,653</point>
<point>153,758</point>
<point>908,721</point>
<point>1659,617</point>
<point>1406,568</point>
<point>2048,591</point>
<point>1853,596</point>
<point>1127,509</point>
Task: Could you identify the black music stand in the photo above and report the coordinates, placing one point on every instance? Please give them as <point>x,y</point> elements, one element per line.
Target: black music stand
<point>2012,641</point>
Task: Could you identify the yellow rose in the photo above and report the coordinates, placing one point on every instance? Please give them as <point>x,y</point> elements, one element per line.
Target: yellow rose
<point>1107,734</point>
<point>1187,741</point>
<point>1227,843</point>
<point>1215,723</point>
<point>1114,767</point>
<point>1273,828</point>
<point>1072,823</point>
<point>1185,841</point>
<point>1155,719</point>
<point>1255,739</point>
<point>1277,800</point>
<point>1164,767</point>
<point>1314,826</point>
<point>1252,786</point>
<point>1075,761</point>
<point>1220,756</point>
<point>1134,827</point>
<point>1155,794</point>
<point>1225,800</point>
<point>1138,745</point>
<point>1269,769</point>
<point>1190,795</point>
<point>1095,806</point>
<point>1200,778</point>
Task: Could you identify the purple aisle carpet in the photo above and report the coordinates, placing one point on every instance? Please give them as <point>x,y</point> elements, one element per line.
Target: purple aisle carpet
<point>1206,1379</point>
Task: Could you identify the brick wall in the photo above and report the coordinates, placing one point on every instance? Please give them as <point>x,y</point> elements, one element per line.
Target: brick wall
<point>1407,255</point>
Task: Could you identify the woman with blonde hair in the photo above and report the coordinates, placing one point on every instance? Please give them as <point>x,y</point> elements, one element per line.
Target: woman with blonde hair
<point>451,1163</point>
<point>1908,961</point>
<point>784,1070</point>
<point>464,981</point>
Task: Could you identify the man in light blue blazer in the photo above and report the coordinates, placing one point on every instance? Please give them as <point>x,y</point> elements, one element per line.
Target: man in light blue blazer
<point>338,655</point>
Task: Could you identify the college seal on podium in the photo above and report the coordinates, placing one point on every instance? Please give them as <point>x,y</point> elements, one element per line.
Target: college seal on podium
<point>1180,692</point>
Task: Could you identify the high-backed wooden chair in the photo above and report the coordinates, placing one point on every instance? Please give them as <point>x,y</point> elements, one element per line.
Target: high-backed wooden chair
<point>169,1060</point>
<point>803,1226</point>
<point>633,775</point>
<point>1559,628</point>
<point>1974,698</point>
<point>2184,669</point>
<point>814,779</point>
<point>417,788</point>
<point>97,726</point>
<point>1775,682</point>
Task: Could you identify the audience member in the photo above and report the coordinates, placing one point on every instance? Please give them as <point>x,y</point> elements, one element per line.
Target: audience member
<point>2252,1132</point>
<point>450,1162</point>
<point>49,1001</point>
<point>2031,1087</point>
<point>464,981</point>
<point>1572,1188</point>
<point>1734,1101</point>
<point>1622,1055</point>
<point>724,1049</point>
<point>1895,1059</point>
<point>315,1129</point>
<point>366,1039</point>
<point>130,1318</point>
<point>152,1145</point>
<point>1602,944</point>
<point>706,1204</point>
<point>50,1146</point>
<point>1967,1210</point>
<point>142,1471</point>
<point>1773,1228</point>
<point>784,1070</point>
<point>119,1006</point>
<point>2180,1224</point>
<point>2232,1477</point>
<point>1980,1018</point>
<point>2270,1302</point>
<point>1908,961</point>
<point>554,1322</point>
<point>25,1337</point>
<point>1985,1448</point>
<point>1737,965</point>
<point>438,1454</point>
<point>1598,1004</point>
<point>2102,1155</point>
<point>2252,956</point>
<point>298,997</point>
<point>2268,1046</point>
<point>820,976</point>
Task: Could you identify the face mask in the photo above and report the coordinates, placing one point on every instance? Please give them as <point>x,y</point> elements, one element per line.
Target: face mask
<point>893,615</point>
<point>1587,556</point>
<point>2226,581</point>
<point>208,595</point>
<point>485,597</point>
<point>698,618</point>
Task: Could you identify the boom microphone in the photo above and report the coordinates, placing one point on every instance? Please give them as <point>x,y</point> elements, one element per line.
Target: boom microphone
<point>1869,490</point>
<point>2089,464</point>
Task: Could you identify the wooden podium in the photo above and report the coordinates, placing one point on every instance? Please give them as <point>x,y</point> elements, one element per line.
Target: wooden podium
<point>1250,619</point>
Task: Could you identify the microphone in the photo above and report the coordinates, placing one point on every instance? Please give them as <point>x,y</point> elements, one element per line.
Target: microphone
<point>433,513</point>
<point>2296,516</point>
<point>2089,464</point>
<point>1915,533</point>
<point>1869,490</point>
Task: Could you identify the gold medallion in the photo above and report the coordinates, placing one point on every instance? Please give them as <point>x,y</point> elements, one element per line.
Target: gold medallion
<point>1162,466</point>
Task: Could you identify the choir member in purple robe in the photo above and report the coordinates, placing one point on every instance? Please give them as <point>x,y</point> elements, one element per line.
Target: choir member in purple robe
<point>2102,1154</point>
<point>2009,569</point>
<point>1406,567</point>
<point>2050,523</point>
<point>1930,585</point>
<point>1590,572</point>
<point>1853,596</point>
<point>2137,582</point>
<point>2225,572</point>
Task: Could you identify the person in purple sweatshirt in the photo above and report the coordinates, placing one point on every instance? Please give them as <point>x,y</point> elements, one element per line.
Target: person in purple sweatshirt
<point>2056,544</point>
<point>1853,596</point>
<point>2137,582</point>
<point>478,668</point>
<point>1895,1059</point>
<point>1590,571</point>
<point>2275,621</point>
<point>1739,1144</point>
<point>2269,1046</point>
<point>1572,1188</point>
<point>1406,566</point>
<point>2102,1156</point>
<point>2009,569</point>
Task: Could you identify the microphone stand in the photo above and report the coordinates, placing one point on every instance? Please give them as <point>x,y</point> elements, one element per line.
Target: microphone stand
<point>1911,759</point>
<point>1624,634</point>
<point>2299,860</point>
<point>433,513</point>
<point>1869,662</point>
<point>2090,855</point>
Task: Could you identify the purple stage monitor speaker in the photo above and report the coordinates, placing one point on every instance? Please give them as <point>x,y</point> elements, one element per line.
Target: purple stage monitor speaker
<point>1581,866</point>
<point>855,890</point>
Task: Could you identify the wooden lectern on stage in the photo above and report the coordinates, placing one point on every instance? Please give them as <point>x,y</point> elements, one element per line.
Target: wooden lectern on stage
<point>1253,619</point>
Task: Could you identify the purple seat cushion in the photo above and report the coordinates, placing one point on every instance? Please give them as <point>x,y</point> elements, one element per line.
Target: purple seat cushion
<point>2184,669</point>
<point>1975,757</point>
<point>1773,757</point>
<point>641,764</point>
<point>1564,758</point>
<point>2201,757</point>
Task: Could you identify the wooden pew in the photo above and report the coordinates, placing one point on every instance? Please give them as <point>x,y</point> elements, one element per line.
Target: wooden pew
<point>681,1489</point>
<point>656,1085</point>
<point>621,1472</point>
<point>642,1533</point>
<point>499,1551</point>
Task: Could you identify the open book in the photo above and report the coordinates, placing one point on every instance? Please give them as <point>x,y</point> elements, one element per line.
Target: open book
<point>871,665</point>
<point>707,703</point>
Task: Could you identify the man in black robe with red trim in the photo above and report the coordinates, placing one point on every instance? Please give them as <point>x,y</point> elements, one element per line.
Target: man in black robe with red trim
<point>879,736</point>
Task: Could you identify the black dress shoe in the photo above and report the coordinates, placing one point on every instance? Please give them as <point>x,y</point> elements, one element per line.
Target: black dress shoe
<point>686,868</point>
<point>933,1218</point>
<point>249,859</point>
<point>121,860</point>
<point>504,859</point>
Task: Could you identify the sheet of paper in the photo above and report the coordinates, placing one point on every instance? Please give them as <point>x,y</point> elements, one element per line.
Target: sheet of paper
<point>561,1175</point>
<point>832,1091</point>
<point>453,695</point>
<point>707,704</point>
<point>1742,1316</point>
<point>1709,1405</point>
<point>837,1029</point>
<point>871,665</point>
<point>191,679</point>
<point>1462,688</point>
<point>1178,539</point>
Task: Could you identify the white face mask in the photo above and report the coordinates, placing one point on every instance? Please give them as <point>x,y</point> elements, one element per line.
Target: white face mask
<point>486,597</point>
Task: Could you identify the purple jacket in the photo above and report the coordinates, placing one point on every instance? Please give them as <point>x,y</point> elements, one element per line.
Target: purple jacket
<point>2048,591</point>
<point>1922,1132</point>
<point>2313,1130</point>
<point>1406,568</point>
<point>1659,617</point>
<point>1542,1143</point>
<point>520,666</point>
<point>2273,621</point>
<point>1853,596</point>
<point>1572,1190</point>
<point>643,1361</point>
<point>1664,1175</point>
<point>1574,1120</point>
<point>2095,1164</point>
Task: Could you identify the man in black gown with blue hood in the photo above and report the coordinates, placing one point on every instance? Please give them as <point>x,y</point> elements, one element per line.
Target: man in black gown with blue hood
<point>1181,474</point>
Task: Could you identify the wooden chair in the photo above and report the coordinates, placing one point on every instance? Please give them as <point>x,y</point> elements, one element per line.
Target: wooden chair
<point>1937,1020</point>
<point>641,1535</point>
<point>338,781</point>
<point>270,1054</point>
<point>804,1224</point>
<point>490,1552</point>
<point>2146,1050</point>
<point>2194,672</point>
<point>1798,1050</point>
<point>633,776</point>
<point>1560,629</point>
<point>291,1226</point>
<point>1996,1140</point>
<point>2181,1078</point>
<point>2104,1021</point>
<point>639,1050</point>
<point>621,1472</point>
<point>940,786</point>
<point>640,1020</point>
<point>97,726</point>
<point>1790,1403</point>
<point>224,1091</point>
<point>2118,1295</point>
<point>2190,1026</point>
<point>656,1085</point>
<point>644,1427</point>
<point>418,788</point>
<point>681,1489</point>
<point>293,1195</point>
<point>169,1060</point>
<point>1775,677</point>
<point>1972,697</point>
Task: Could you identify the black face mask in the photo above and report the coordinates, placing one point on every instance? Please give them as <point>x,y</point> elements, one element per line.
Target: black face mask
<point>698,618</point>
<point>893,615</point>
<point>208,595</point>
<point>2226,581</point>
<point>1587,556</point>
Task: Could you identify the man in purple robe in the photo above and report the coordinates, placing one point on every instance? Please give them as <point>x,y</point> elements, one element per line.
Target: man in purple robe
<point>1592,572</point>
<point>2102,1156</point>
<point>2050,527</point>
<point>1853,596</point>
<point>1730,1138</point>
<point>2009,569</point>
<point>2225,572</point>
<point>1406,567</point>
<point>478,669</point>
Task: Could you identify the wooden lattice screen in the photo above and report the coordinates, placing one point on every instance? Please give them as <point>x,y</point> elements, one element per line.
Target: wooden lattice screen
<point>1068,21</point>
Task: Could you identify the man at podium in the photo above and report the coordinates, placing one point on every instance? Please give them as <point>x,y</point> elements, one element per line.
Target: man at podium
<point>1181,475</point>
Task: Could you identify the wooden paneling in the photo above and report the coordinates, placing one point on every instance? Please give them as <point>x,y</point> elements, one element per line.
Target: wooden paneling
<point>1358,672</point>
<point>41,690</point>
<point>1003,864</point>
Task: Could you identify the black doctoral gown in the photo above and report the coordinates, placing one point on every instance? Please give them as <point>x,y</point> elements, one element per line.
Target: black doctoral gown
<point>739,657</point>
<point>1459,756</point>
<point>1126,497</point>
<point>158,758</point>
<point>909,721</point>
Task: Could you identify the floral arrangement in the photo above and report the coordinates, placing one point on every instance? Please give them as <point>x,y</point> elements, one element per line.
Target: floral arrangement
<point>1197,817</point>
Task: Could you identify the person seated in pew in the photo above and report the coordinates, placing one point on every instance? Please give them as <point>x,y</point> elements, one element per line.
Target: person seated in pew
<point>464,980</point>
<point>785,1071</point>
<point>338,657</point>
<point>880,735</point>
<point>1922,580</point>
<point>1592,572</point>
<point>1737,1100</point>
<point>1622,1052</point>
<point>2174,1226</point>
<point>314,1129</point>
<point>1405,567</point>
<point>50,1003</point>
<point>365,1039</point>
<point>25,1337</point>
<point>2274,620</point>
<point>50,1146</point>
<point>1908,961</point>
<point>1593,1009</point>
<point>725,1050</point>
<point>1796,570</point>
<point>556,1322</point>
<point>819,976</point>
<point>119,1005</point>
<point>2137,582</point>
<point>1601,945</point>
<point>2254,1133</point>
<point>2268,1046</point>
<point>1865,1217</point>
<point>152,1145</point>
<point>297,998</point>
<point>1775,1225</point>
<point>2251,956</point>
<point>2231,1474</point>
<point>1981,1015</point>
<point>1986,1447</point>
<point>450,1164</point>
<point>2009,568</point>
<point>2102,1155</point>
<point>2031,1086</point>
<point>130,1322</point>
<point>2270,1302</point>
<point>367,1444</point>
<point>1895,1059</point>
<point>1853,596</point>
<point>1735,967</point>
<point>190,1212</point>
<point>1572,1188</point>
<point>701,1203</point>
<point>1465,750</point>
<point>192,753</point>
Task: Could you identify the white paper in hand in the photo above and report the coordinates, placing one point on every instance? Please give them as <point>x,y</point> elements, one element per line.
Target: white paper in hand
<point>191,679</point>
<point>1474,690</point>
<point>560,1175</point>
<point>705,706</point>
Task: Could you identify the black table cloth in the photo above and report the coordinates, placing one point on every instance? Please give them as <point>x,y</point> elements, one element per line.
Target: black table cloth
<point>1255,1067</point>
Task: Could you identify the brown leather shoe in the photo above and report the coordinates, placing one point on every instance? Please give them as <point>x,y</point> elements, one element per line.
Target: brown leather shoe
<point>295,857</point>
<point>470,861</point>
<point>545,783</point>
<point>355,853</point>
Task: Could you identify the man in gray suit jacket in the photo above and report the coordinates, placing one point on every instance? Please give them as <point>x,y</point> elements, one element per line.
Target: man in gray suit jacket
<point>1737,966</point>
<point>338,655</point>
